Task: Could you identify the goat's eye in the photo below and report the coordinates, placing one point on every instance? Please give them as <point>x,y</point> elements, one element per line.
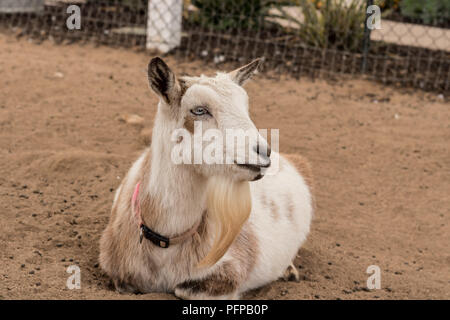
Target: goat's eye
<point>199,111</point>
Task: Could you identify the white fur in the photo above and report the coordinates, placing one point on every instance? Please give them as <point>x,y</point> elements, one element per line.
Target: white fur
<point>181,189</point>
<point>279,239</point>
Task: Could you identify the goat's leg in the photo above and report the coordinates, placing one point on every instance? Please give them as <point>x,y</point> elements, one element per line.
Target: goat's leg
<point>124,287</point>
<point>222,283</point>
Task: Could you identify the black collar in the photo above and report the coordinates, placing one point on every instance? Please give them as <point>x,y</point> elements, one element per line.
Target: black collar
<point>154,237</point>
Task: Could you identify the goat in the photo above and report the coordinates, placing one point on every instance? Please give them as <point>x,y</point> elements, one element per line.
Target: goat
<point>215,230</point>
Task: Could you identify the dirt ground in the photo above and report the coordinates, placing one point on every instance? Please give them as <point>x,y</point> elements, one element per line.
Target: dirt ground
<point>381,158</point>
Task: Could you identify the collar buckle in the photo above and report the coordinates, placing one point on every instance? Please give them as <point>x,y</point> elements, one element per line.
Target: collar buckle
<point>154,237</point>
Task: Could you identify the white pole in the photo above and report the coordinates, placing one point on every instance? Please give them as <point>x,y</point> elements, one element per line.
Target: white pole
<point>17,6</point>
<point>164,24</point>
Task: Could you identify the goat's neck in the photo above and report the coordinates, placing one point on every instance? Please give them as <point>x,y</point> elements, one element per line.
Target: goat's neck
<point>178,189</point>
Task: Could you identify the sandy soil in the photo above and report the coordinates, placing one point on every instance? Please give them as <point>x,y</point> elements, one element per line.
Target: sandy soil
<point>380,155</point>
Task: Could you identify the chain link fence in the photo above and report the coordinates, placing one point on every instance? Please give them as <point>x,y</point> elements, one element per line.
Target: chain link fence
<point>315,38</point>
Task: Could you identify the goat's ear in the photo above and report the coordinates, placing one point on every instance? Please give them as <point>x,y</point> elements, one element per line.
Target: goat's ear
<point>242,74</point>
<point>162,80</point>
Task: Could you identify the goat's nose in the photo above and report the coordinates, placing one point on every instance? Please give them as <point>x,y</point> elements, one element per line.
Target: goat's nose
<point>264,153</point>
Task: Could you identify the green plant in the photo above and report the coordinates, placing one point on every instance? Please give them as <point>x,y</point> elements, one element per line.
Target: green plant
<point>337,24</point>
<point>430,12</point>
<point>231,14</point>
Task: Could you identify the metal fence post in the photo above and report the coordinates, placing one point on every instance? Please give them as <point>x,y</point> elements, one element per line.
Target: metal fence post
<point>366,40</point>
<point>164,24</point>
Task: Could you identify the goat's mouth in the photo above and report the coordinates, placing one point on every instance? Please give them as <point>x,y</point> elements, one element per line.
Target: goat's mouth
<point>259,176</point>
<point>251,167</point>
<point>254,168</point>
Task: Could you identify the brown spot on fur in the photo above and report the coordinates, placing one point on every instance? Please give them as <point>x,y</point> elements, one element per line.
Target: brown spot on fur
<point>273,206</point>
<point>290,207</point>
<point>188,120</point>
<point>189,124</point>
<point>274,209</point>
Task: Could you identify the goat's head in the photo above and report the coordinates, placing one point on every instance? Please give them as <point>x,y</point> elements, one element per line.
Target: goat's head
<point>216,109</point>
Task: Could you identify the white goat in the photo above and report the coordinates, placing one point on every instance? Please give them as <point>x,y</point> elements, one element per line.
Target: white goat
<point>213,231</point>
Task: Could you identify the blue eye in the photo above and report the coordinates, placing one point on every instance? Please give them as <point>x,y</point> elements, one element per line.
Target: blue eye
<point>199,111</point>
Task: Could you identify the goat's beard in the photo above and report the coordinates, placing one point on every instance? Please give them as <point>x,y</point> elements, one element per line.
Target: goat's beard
<point>228,207</point>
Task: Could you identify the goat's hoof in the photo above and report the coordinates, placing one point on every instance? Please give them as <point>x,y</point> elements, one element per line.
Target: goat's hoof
<point>185,294</point>
<point>291,274</point>
<point>182,292</point>
<point>123,287</point>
